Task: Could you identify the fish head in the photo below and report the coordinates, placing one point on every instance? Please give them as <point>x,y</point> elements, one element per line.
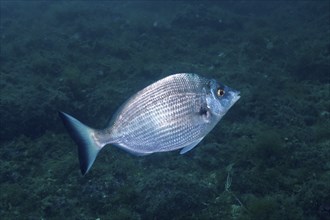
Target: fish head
<point>220,98</point>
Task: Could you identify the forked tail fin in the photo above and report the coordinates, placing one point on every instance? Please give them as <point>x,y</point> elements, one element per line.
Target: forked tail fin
<point>85,137</point>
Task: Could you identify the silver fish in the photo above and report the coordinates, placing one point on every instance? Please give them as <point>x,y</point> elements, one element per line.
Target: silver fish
<point>175,112</point>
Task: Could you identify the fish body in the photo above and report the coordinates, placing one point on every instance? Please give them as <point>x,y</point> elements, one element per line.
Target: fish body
<point>176,112</point>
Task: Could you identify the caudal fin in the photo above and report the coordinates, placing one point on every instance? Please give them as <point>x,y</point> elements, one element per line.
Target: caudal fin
<point>85,137</point>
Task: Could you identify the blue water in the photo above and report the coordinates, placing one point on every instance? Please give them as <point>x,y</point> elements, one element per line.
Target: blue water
<point>268,158</point>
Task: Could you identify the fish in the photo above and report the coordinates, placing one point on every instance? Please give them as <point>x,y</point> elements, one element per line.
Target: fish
<point>173,113</point>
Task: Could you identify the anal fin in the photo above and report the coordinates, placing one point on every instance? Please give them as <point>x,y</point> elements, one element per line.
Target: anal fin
<point>190,146</point>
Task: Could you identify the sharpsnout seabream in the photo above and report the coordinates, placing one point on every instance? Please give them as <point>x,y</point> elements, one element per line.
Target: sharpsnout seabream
<point>176,112</point>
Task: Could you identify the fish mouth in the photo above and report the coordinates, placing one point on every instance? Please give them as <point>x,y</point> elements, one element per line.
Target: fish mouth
<point>238,95</point>
<point>232,97</point>
<point>235,96</point>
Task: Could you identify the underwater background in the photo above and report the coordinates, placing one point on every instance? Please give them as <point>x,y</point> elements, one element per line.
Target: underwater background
<point>268,158</point>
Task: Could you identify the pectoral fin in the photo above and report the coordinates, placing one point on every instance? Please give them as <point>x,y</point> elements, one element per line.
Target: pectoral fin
<point>190,146</point>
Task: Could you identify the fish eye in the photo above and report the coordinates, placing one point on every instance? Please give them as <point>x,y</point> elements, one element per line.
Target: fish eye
<point>220,92</point>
